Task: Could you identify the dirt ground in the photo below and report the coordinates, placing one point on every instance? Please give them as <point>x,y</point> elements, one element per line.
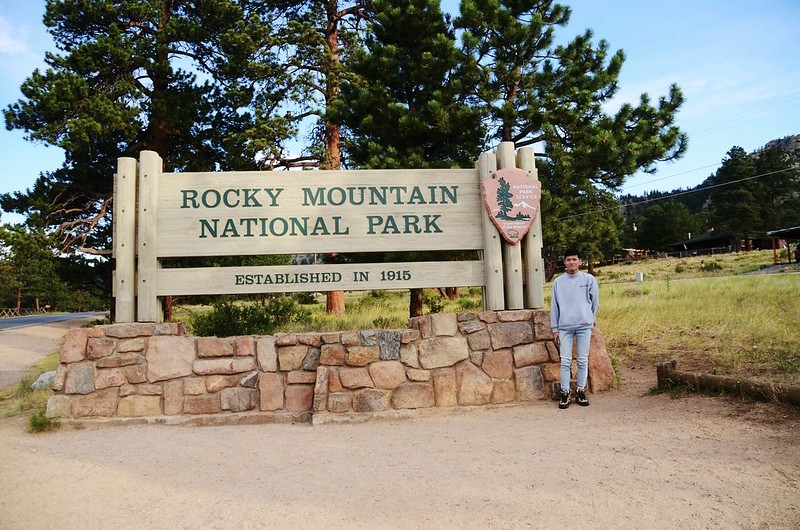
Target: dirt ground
<point>630,460</point>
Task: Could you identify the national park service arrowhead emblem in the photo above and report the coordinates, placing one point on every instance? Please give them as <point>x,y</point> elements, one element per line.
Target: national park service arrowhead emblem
<point>512,199</point>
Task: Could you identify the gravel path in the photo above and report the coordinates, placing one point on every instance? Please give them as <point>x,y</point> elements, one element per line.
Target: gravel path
<point>630,460</point>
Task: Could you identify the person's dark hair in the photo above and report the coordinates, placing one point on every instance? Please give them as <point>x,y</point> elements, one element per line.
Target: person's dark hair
<point>572,251</point>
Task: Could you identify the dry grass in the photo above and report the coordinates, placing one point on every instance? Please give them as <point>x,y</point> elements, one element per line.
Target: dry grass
<point>745,326</point>
<point>716,318</point>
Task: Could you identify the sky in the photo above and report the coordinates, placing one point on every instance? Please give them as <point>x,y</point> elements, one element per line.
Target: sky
<point>736,62</point>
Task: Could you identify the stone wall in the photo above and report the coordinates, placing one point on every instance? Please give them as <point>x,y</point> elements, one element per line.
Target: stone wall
<point>442,360</point>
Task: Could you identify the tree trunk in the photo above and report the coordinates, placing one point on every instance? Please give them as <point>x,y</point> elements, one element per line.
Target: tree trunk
<point>550,269</point>
<point>452,293</point>
<point>19,300</point>
<point>167,307</point>
<point>415,303</point>
<point>335,299</point>
<point>158,130</point>
<point>335,302</point>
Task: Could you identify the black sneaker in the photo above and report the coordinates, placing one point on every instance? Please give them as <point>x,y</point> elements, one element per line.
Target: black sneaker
<point>564,403</point>
<point>580,397</point>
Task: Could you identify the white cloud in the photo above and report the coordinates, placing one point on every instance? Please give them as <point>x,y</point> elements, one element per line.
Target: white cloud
<point>12,41</point>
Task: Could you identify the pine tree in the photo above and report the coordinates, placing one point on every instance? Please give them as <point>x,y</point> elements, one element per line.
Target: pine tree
<point>779,176</point>
<point>317,35</point>
<point>404,104</point>
<point>30,268</point>
<point>535,92</point>
<point>179,78</point>
<point>754,194</point>
<point>665,224</point>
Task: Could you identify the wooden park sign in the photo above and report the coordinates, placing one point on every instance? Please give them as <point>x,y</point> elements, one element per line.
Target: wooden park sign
<point>166,215</point>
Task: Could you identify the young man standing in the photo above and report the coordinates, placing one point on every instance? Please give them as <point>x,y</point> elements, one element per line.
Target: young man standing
<point>572,311</point>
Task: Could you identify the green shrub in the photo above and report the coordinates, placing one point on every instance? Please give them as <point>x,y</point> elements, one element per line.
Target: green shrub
<point>304,298</point>
<point>384,322</point>
<point>39,422</point>
<point>433,301</point>
<point>24,387</point>
<point>472,292</point>
<point>470,304</point>
<point>377,294</point>
<point>228,319</point>
<point>680,267</point>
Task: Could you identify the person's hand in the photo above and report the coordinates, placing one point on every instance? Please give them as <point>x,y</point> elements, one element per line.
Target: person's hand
<point>555,338</point>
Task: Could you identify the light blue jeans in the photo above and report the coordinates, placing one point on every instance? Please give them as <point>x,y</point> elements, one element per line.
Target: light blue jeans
<point>566,338</point>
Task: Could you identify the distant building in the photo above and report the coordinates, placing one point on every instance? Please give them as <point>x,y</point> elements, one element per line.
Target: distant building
<point>779,243</point>
<point>634,253</point>
<point>714,242</point>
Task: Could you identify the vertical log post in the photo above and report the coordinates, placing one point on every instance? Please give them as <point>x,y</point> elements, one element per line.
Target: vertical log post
<point>148,308</point>
<point>493,298</point>
<point>532,243</point>
<point>512,254</point>
<point>124,240</point>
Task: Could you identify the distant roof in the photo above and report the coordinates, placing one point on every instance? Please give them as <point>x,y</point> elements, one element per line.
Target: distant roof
<point>786,232</point>
<point>708,236</point>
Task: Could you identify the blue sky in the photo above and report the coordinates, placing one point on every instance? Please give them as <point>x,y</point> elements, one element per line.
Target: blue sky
<point>735,60</point>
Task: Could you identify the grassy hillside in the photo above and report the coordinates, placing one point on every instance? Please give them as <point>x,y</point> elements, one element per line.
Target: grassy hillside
<point>718,318</point>
<point>692,267</point>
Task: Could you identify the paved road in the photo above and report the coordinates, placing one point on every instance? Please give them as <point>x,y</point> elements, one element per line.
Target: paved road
<point>37,320</point>
<point>28,339</point>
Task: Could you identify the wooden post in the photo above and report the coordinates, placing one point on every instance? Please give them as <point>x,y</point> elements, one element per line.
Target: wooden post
<point>663,372</point>
<point>512,254</point>
<point>532,244</point>
<point>147,307</point>
<point>493,298</point>
<point>124,240</point>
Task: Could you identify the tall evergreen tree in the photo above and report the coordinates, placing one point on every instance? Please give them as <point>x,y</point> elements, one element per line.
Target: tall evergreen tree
<point>178,78</point>
<point>30,268</point>
<point>734,204</point>
<point>665,224</point>
<point>754,194</point>
<point>779,174</point>
<point>317,35</point>
<point>537,92</point>
<point>405,104</point>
